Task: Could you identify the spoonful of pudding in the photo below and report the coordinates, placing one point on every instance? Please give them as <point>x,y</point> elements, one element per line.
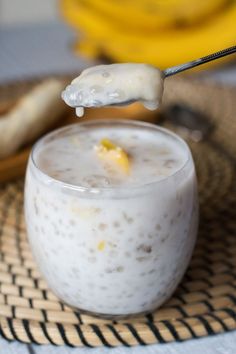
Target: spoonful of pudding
<point>123,84</point>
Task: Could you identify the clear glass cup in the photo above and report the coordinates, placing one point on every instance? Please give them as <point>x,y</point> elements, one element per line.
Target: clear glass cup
<point>143,265</point>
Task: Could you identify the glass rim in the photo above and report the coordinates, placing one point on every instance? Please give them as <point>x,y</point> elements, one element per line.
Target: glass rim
<point>101,190</point>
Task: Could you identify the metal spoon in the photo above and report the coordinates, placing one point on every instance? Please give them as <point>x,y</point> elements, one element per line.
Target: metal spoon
<point>192,64</point>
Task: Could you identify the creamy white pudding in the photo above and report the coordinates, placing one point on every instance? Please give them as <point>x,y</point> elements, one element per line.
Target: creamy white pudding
<point>115,84</point>
<point>107,241</point>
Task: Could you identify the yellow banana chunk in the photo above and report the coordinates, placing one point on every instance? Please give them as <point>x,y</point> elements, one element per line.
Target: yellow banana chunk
<point>101,246</point>
<point>108,151</point>
<point>160,48</point>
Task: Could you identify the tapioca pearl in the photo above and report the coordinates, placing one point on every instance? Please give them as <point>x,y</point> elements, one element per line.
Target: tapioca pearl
<point>164,151</point>
<point>96,89</point>
<point>127,254</point>
<point>102,226</point>
<point>145,248</point>
<point>75,97</point>
<point>141,235</point>
<point>56,175</point>
<point>131,148</point>
<point>105,74</point>
<point>66,284</point>
<point>112,244</point>
<point>96,181</point>
<point>179,198</point>
<point>116,95</point>
<point>55,251</point>
<point>72,222</point>
<point>154,301</point>
<point>164,294</point>
<point>103,287</point>
<point>57,232</point>
<point>170,163</point>
<point>143,274</point>
<point>60,222</point>
<point>127,218</point>
<point>165,238</point>
<point>144,304</point>
<point>137,288</point>
<point>36,208</point>
<point>110,169</point>
<point>134,137</point>
<point>146,160</point>
<point>152,271</point>
<point>112,254</point>
<point>142,259</point>
<point>71,235</point>
<point>74,270</point>
<point>93,141</point>
<point>179,214</point>
<point>158,227</point>
<point>71,178</point>
<point>116,269</point>
<point>120,269</point>
<point>68,169</point>
<point>116,224</point>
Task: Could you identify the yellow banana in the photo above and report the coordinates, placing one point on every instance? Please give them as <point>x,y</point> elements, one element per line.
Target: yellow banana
<point>155,14</point>
<point>173,47</point>
<point>149,14</point>
<point>162,48</point>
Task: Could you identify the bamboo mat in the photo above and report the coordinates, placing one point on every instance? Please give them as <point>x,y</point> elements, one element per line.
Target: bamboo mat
<point>205,301</point>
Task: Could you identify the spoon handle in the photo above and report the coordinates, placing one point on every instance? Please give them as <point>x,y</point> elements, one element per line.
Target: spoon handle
<point>182,67</point>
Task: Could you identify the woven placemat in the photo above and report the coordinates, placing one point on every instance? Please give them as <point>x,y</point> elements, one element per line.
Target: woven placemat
<point>205,301</point>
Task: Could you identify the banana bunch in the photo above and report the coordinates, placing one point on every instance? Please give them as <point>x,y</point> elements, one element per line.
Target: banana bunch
<point>159,32</point>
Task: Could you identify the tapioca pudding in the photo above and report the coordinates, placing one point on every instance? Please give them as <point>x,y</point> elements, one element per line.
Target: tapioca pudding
<point>111,212</point>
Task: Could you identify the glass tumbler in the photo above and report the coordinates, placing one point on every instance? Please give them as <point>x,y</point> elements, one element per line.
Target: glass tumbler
<point>141,266</point>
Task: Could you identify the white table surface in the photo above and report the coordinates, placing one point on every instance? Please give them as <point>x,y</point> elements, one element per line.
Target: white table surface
<point>219,344</point>
<point>28,52</point>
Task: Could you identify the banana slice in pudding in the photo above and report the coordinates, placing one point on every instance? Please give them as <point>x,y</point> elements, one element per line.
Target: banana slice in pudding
<point>110,152</point>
